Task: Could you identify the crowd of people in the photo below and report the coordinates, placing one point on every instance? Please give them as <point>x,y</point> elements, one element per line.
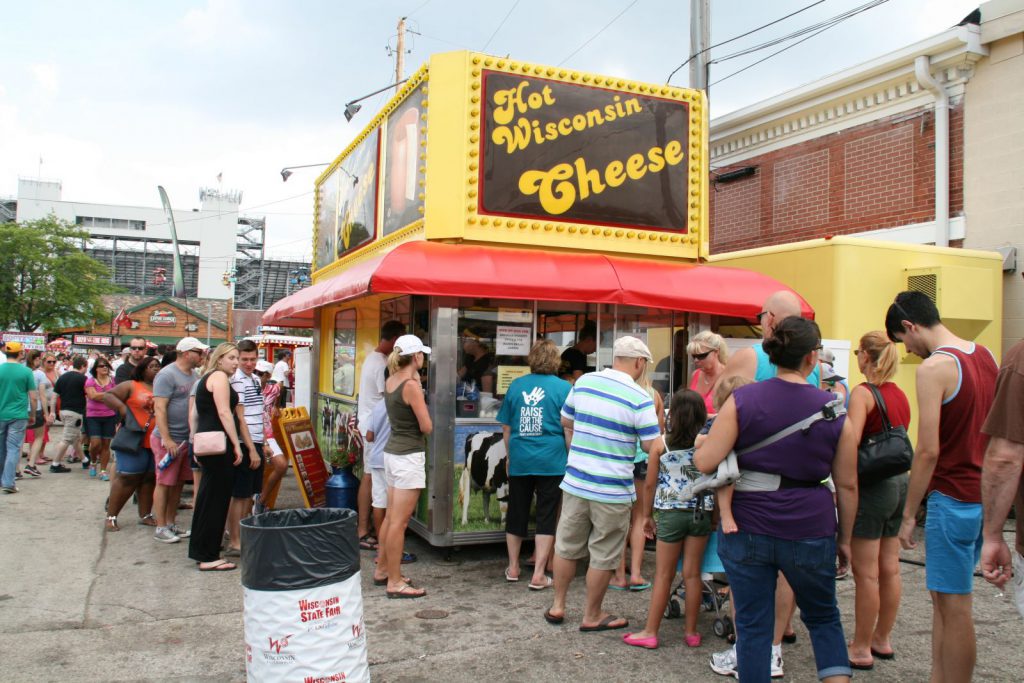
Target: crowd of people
<point>149,422</point>
<point>606,469</point>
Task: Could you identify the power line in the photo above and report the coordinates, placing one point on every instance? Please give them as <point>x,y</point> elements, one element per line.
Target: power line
<point>749,66</point>
<point>507,15</point>
<point>440,40</point>
<point>228,213</point>
<point>603,29</point>
<point>827,23</point>
<point>735,38</point>
<point>417,9</point>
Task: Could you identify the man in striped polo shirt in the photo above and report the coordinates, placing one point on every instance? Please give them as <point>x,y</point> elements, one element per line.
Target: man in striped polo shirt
<point>605,415</point>
<point>248,481</point>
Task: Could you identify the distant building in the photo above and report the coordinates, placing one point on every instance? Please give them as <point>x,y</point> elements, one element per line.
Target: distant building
<point>222,253</point>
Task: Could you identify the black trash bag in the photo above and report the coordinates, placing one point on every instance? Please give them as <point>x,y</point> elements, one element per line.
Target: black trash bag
<point>287,550</point>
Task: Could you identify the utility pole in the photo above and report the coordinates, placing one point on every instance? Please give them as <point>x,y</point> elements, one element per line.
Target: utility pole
<point>700,39</point>
<point>400,52</point>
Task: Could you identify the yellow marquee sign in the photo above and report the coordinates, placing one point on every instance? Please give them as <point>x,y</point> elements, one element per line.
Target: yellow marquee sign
<point>484,149</point>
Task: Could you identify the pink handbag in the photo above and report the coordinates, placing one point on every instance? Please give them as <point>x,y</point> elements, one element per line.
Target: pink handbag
<point>210,443</point>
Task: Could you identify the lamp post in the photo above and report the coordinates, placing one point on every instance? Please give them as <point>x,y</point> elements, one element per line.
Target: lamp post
<point>286,172</point>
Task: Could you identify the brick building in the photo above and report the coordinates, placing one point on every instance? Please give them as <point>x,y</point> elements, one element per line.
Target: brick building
<point>854,153</point>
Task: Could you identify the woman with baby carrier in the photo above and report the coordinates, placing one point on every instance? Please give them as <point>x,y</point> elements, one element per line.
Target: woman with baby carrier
<point>789,436</point>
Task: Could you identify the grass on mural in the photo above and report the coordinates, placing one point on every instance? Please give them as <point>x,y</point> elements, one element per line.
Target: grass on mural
<point>475,518</point>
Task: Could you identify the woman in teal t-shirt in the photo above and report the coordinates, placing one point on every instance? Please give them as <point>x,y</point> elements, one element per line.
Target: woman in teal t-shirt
<point>535,441</point>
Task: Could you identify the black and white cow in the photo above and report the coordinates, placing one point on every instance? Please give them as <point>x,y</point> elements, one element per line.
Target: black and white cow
<point>486,459</point>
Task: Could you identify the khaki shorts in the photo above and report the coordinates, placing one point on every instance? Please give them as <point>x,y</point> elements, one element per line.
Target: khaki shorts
<point>406,471</point>
<point>72,426</point>
<point>588,526</point>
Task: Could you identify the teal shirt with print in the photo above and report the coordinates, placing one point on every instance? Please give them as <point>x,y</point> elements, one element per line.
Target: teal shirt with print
<point>532,410</point>
<point>16,381</point>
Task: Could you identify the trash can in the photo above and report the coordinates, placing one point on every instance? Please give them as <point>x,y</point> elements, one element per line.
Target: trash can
<point>303,611</point>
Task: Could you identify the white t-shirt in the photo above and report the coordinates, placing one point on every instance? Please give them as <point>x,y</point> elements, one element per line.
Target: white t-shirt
<point>251,395</point>
<point>371,387</point>
<point>280,374</point>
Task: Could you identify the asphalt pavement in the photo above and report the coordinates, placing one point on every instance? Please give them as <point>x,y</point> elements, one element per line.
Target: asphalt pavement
<point>77,603</point>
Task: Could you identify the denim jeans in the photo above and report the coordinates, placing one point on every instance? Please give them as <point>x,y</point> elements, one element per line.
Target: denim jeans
<point>752,563</point>
<point>12,435</point>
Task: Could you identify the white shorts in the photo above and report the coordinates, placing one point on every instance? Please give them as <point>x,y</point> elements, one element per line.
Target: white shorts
<point>406,471</point>
<point>379,488</point>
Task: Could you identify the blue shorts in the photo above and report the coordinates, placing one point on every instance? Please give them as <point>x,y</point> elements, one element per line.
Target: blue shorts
<point>101,427</point>
<point>140,462</point>
<point>952,535</point>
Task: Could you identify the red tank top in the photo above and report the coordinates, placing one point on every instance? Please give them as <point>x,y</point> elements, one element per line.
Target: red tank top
<point>897,407</point>
<point>961,442</point>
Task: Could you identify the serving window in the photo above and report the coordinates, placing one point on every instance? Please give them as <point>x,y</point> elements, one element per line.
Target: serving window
<point>493,344</point>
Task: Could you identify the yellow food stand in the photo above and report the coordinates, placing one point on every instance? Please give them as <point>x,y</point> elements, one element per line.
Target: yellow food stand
<point>850,282</point>
<point>494,202</point>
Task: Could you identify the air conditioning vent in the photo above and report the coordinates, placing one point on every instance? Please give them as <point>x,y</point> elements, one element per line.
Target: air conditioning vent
<point>927,284</point>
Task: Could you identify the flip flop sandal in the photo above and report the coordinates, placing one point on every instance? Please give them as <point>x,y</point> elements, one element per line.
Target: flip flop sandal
<point>640,586</point>
<point>861,667</point>
<point>185,506</point>
<point>552,619</point>
<point>233,552</point>
<point>509,578</point>
<point>222,567</point>
<point>112,524</point>
<point>404,594</point>
<point>606,624</point>
<point>368,542</point>
<point>541,586</point>
<point>883,655</point>
<point>384,581</point>
<point>408,558</point>
<point>616,587</point>
<point>148,520</point>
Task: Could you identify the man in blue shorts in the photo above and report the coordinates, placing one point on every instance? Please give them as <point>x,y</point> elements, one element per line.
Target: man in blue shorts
<point>955,386</point>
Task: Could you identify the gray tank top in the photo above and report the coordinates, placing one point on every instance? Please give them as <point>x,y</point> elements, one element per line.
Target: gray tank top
<point>406,436</point>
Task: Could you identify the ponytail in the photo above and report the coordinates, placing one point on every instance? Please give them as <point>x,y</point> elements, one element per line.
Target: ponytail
<point>882,353</point>
<point>394,360</point>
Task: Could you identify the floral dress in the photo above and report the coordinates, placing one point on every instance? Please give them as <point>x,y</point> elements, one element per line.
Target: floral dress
<point>675,472</point>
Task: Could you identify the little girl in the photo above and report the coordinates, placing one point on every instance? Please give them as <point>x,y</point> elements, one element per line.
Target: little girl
<point>723,495</point>
<point>680,527</point>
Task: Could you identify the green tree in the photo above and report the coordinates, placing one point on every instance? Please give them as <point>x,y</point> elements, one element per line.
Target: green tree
<point>46,280</point>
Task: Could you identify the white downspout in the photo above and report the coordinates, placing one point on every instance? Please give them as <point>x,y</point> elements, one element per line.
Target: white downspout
<point>922,69</point>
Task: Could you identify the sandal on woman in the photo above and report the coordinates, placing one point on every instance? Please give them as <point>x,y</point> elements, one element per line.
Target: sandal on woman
<point>217,566</point>
<point>368,542</point>
<point>406,592</point>
<point>112,524</point>
<point>147,520</point>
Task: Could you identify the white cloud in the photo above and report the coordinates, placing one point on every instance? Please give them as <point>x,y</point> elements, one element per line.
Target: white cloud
<point>221,23</point>
<point>46,77</point>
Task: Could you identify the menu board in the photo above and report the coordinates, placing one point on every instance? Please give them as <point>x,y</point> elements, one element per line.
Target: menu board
<point>299,442</point>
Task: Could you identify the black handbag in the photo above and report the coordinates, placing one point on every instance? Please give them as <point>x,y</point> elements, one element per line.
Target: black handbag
<point>887,453</point>
<point>128,438</point>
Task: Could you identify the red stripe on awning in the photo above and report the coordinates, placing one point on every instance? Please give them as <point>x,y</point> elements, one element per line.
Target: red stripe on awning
<point>434,268</point>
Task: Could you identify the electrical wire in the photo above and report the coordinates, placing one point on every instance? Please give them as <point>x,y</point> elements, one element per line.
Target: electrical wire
<point>440,40</point>
<point>228,213</point>
<point>507,15</point>
<point>827,23</point>
<point>742,35</point>
<point>603,29</point>
<point>417,9</point>
<point>750,66</point>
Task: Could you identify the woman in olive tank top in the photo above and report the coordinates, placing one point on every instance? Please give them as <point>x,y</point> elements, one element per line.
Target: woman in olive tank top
<point>404,457</point>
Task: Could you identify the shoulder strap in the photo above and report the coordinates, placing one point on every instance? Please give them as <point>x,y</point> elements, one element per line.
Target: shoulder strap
<point>880,404</point>
<point>830,411</point>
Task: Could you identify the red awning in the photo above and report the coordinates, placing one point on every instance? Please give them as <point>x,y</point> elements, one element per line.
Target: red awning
<point>434,268</point>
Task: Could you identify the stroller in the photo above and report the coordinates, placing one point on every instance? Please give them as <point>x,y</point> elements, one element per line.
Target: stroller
<point>712,600</point>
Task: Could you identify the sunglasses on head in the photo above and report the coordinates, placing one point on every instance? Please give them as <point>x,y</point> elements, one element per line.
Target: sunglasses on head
<point>701,356</point>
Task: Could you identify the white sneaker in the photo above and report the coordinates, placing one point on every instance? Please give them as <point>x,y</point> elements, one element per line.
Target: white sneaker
<point>724,662</point>
<point>179,532</point>
<point>165,535</point>
<point>777,661</point>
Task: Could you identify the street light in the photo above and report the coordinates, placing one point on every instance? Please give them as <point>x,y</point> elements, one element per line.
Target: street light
<point>286,172</point>
<point>351,108</point>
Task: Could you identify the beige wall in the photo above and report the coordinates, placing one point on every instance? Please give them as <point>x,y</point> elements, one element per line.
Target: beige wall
<point>994,156</point>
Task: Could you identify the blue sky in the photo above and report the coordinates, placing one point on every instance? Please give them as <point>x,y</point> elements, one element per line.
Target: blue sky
<point>118,97</point>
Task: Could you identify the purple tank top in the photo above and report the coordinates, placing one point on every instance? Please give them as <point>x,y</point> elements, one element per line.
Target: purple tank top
<point>764,409</point>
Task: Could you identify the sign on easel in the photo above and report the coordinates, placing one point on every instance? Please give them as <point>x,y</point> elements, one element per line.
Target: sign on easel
<point>297,439</point>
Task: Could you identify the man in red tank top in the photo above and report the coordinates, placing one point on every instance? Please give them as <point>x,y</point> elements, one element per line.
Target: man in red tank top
<point>955,386</point>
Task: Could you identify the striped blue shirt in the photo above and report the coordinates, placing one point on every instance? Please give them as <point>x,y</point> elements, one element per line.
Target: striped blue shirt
<point>610,412</point>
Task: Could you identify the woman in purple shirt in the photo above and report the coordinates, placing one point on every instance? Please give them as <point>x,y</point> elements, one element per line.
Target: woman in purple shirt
<point>792,528</point>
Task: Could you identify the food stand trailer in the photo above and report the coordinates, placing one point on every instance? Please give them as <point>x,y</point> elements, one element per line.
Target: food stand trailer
<point>494,202</point>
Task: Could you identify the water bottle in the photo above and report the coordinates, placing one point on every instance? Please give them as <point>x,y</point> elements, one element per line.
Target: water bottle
<point>165,462</point>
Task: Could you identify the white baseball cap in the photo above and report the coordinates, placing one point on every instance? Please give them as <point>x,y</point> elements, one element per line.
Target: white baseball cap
<point>631,347</point>
<point>409,344</point>
<point>264,366</point>
<point>190,344</point>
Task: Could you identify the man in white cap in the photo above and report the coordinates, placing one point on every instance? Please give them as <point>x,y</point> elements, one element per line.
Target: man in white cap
<point>604,417</point>
<point>170,404</point>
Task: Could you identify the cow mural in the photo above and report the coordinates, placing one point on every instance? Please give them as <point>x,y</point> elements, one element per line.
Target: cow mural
<point>485,471</point>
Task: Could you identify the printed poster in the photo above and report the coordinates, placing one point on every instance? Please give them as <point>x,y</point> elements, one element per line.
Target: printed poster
<point>513,341</point>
